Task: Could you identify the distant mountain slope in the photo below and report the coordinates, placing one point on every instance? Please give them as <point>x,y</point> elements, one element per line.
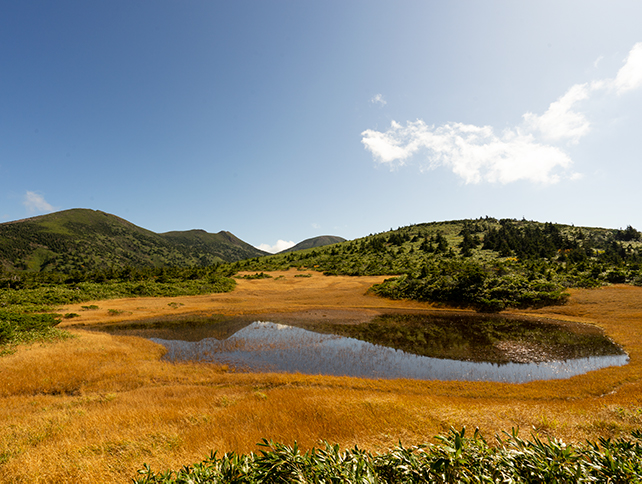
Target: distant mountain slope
<point>225,244</point>
<point>320,241</point>
<point>82,239</point>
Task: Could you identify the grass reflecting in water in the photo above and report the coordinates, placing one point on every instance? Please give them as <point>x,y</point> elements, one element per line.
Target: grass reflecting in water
<point>442,346</point>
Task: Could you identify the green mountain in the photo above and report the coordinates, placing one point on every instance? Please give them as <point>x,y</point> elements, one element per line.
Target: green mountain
<point>320,241</point>
<point>82,239</point>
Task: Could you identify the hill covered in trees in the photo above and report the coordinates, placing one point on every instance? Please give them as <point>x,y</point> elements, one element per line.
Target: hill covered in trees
<point>89,240</point>
<point>486,263</point>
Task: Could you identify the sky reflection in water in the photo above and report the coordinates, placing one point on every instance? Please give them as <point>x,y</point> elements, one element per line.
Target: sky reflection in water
<point>265,346</point>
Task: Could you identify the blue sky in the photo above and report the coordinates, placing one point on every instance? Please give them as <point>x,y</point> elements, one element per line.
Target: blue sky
<point>283,120</point>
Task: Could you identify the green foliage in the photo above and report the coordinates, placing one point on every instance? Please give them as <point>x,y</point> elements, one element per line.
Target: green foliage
<point>461,282</point>
<point>26,305</point>
<point>13,322</point>
<point>628,234</point>
<point>258,275</point>
<point>455,458</point>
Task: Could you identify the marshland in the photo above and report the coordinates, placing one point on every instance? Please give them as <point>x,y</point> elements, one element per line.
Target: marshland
<point>98,396</point>
<point>96,406</point>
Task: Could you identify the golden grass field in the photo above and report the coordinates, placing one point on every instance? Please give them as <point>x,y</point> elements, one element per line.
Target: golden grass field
<point>94,408</point>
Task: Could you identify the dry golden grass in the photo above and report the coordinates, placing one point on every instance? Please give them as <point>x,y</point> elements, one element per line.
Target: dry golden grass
<point>96,407</point>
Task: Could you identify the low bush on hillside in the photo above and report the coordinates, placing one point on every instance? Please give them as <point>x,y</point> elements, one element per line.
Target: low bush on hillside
<point>19,328</point>
<point>456,458</point>
<point>13,322</point>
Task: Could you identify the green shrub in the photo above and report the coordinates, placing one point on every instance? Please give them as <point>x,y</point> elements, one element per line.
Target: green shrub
<point>12,323</point>
<point>455,458</point>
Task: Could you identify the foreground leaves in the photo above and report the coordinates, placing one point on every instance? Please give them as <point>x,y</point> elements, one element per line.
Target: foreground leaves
<point>456,458</point>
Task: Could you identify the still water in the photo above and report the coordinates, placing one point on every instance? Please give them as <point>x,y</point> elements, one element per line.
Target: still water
<point>268,346</point>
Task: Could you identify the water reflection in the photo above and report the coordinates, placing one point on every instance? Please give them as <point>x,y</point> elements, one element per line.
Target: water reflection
<point>266,346</point>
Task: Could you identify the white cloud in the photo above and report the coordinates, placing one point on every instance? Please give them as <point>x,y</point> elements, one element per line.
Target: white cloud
<point>530,151</point>
<point>278,247</point>
<point>378,99</point>
<point>630,75</point>
<point>560,122</point>
<point>316,226</point>
<point>474,153</point>
<point>36,203</point>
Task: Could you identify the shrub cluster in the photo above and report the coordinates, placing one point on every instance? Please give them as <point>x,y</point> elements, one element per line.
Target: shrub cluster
<point>456,458</point>
<point>469,283</point>
<point>13,323</point>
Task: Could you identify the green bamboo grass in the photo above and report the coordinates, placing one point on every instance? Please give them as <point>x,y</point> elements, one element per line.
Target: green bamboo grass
<point>455,458</point>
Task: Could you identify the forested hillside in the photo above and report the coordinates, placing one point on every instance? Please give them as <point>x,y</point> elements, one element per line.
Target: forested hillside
<point>485,263</point>
<point>88,240</point>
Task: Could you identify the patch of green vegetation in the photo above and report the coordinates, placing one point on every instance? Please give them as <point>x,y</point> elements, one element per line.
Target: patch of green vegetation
<point>27,300</point>
<point>17,328</point>
<point>469,284</point>
<point>13,322</point>
<point>258,275</point>
<point>455,458</point>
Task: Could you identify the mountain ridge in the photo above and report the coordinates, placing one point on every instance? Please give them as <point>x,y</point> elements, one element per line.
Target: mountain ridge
<point>86,239</point>
<point>313,242</point>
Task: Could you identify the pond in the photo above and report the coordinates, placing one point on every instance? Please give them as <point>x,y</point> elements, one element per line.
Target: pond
<point>419,346</point>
